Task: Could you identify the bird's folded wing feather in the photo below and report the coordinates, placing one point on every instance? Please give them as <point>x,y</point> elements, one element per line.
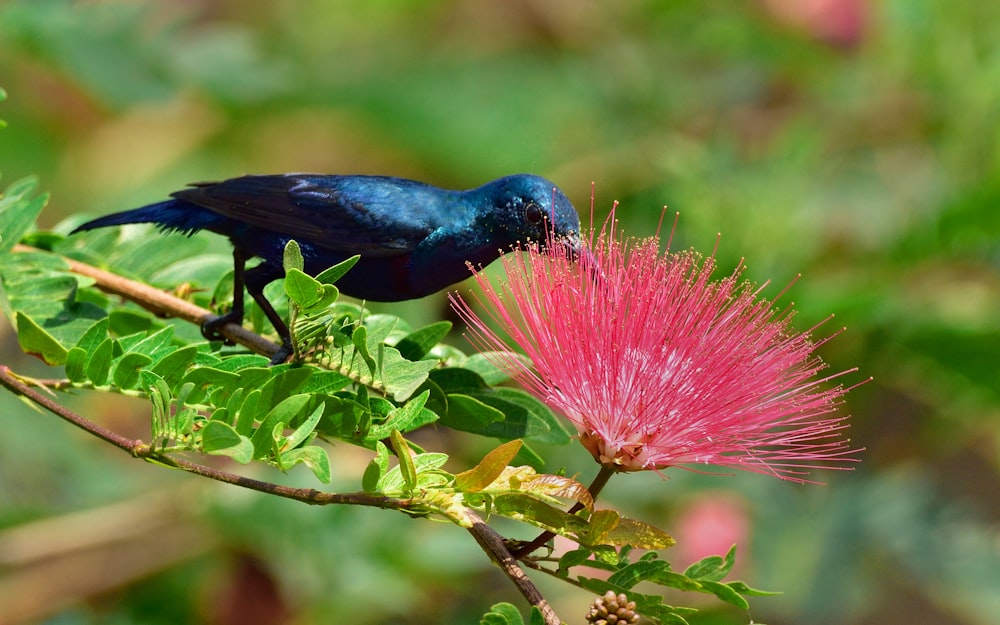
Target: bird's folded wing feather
<point>347,214</point>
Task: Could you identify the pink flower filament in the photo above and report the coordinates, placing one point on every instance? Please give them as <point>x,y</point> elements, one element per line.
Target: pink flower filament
<point>657,365</point>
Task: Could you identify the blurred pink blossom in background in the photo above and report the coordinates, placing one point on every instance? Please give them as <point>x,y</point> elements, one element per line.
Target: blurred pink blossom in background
<point>838,22</point>
<point>711,523</point>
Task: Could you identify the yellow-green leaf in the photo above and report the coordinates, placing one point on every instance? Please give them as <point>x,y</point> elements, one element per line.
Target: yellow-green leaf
<point>488,469</point>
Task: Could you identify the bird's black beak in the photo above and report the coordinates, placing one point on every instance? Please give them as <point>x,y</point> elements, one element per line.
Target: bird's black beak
<point>570,245</point>
<point>576,251</point>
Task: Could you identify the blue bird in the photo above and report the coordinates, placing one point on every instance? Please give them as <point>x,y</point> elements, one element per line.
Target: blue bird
<point>414,239</point>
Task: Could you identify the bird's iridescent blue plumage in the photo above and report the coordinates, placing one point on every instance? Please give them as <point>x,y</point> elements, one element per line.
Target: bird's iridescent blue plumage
<point>414,239</point>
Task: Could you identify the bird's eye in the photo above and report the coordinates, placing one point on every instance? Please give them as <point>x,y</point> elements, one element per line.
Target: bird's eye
<point>534,213</point>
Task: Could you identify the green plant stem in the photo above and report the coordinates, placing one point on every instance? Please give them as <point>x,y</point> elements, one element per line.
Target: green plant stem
<point>162,303</point>
<point>595,488</point>
<point>487,538</point>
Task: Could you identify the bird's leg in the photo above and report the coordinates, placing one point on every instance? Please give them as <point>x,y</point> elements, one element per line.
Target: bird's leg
<point>210,329</point>
<point>256,279</point>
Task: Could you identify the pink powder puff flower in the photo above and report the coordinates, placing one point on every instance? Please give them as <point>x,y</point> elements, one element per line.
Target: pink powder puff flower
<point>658,365</point>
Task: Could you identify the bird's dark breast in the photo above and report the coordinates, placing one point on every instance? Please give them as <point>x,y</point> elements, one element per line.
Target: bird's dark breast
<point>393,278</point>
<point>374,278</point>
<point>383,279</point>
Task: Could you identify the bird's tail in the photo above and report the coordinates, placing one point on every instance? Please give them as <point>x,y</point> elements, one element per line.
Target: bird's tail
<point>168,215</point>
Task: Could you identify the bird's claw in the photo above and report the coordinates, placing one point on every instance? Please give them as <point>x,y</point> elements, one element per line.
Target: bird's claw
<point>211,328</point>
<point>282,354</point>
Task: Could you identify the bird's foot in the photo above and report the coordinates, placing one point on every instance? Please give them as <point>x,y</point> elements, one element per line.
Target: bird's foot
<point>282,354</point>
<point>210,329</point>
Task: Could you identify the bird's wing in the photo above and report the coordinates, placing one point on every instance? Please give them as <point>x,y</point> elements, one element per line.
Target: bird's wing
<point>374,216</point>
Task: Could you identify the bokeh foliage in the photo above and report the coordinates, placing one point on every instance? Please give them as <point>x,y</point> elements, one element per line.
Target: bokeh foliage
<point>871,166</point>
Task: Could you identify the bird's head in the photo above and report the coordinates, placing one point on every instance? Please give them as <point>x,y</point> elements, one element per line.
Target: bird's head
<point>530,208</point>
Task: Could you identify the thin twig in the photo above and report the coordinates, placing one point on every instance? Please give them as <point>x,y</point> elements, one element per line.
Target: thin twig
<point>140,449</point>
<point>535,565</point>
<point>161,302</point>
<point>595,489</point>
<point>494,545</point>
<point>487,538</point>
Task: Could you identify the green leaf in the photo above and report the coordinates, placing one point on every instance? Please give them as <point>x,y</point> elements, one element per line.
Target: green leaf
<point>536,617</point>
<point>126,322</point>
<point>673,579</point>
<point>361,397</point>
<point>502,614</point>
<point>156,344</point>
<point>488,469</point>
<point>553,432</point>
<point>469,414</point>
<point>126,370</point>
<point>636,572</point>
<point>329,296</point>
<point>220,439</point>
<point>743,589</point>
<point>429,471</point>
<point>250,411</point>
<point>637,534</point>
<point>403,418</point>
<point>305,430</point>
<point>18,213</point>
<point>406,467</point>
<point>253,377</point>
<point>128,343</point>
<point>40,293</point>
<point>457,380</point>
<point>242,363</point>
<point>305,290</point>
<point>607,527</point>
<point>292,258</point>
<point>517,422</point>
<point>401,377</point>
<point>331,275</point>
<point>222,295</point>
<point>281,414</point>
<point>172,366</point>
<point>325,382</point>
<point>542,486</point>
<point>204,378</point>
<point>572,558</point>
<point>725,593</point>
<point>483,364</point>
<point>346,419</point>
<point>5,308</point>
<point>313,457</point>
<point>360,340</point>
<point>285,380</point>
<point>94,336</point>
<point>159,397</point>
<point>233,404</point>
<point>529,509</point>
<point>712,568</point>
<point>425,473</point>
<point>415,345</point>
<point>37,342</point>
<point>99,364</point>
<point>376,468</point>
<point>599,525</point>
<point>76,365</point>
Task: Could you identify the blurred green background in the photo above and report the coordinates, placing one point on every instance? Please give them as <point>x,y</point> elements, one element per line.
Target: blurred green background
<point>854,142</point>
